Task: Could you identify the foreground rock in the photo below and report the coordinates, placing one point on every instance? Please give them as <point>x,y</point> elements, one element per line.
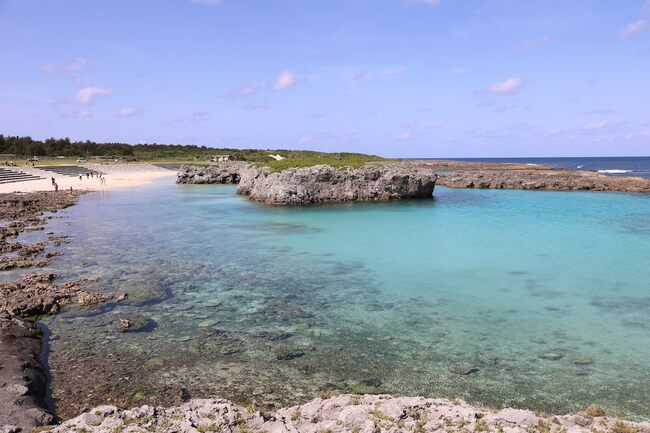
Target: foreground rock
<point>22,378</point>
<point>326,184</point>
<point>542,179</point>
<point>345,413</point>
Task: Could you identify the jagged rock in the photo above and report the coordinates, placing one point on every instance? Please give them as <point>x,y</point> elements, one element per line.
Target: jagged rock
<point>326,184</point>
<point>343,413</point>
<point>227,172</point>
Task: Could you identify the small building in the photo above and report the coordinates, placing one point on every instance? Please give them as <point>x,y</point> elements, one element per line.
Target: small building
<point>220,158</point>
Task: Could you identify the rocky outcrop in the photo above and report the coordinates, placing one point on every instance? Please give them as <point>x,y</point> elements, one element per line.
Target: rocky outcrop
<point>225,172</point>
<point>22,377</point>
<point>344,413</point>
<point>35,295</point>
<point>326,184</point>
<point>542,179</point>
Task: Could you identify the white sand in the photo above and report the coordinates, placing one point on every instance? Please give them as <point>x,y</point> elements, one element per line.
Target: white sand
<point>117,176</point>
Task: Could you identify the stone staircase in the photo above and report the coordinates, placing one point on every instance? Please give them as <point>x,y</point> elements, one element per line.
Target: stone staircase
<point>12,176</point>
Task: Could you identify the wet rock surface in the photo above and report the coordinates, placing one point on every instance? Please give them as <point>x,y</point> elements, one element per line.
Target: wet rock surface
<point>343,413</point>
<point>22,377</point>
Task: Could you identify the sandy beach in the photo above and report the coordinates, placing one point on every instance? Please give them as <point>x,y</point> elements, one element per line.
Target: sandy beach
<point>117,176</point>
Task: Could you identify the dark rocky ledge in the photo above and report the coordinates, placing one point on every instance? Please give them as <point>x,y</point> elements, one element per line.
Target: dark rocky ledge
<point>22,376</point>
<point>318,184</point>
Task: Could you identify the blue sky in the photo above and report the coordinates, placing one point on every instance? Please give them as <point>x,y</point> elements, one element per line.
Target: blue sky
<point>411,78</point>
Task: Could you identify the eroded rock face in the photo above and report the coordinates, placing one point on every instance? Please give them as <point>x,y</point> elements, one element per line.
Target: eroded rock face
<point>344,413</point>
<point>22,378</point>
<point>226,172</point>
<point>326,184</point>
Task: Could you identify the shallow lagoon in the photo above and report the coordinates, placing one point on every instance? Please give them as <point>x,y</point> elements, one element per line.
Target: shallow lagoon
<point>543,298</point>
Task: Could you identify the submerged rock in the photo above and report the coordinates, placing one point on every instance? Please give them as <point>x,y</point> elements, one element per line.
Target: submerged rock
<point>464,368</point>
<point>285,353</point>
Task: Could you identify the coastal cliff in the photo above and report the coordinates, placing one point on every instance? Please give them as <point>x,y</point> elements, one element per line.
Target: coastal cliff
<point>317,184</point>
<point>344,413</point>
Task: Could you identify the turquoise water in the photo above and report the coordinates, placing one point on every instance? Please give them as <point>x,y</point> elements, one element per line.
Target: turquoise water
<point>543,298</point>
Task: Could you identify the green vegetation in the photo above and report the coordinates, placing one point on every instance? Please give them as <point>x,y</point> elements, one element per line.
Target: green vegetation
<point>21,148</point>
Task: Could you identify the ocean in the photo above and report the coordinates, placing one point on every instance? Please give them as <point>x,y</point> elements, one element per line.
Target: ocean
<point>531,299</point>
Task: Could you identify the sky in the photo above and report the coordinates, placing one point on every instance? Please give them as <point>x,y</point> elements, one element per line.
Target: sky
<point>397,78</point>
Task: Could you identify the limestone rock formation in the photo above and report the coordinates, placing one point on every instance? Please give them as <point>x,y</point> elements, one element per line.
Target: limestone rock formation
<point>326,184</point>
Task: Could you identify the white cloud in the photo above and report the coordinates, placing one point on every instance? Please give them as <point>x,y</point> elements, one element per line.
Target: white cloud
<point>534,43</point>
<point>244,90</point>
<point>126,112</point>
<point>510,86</point>
<point>458,71</point>
<point>423,2</point>
<point>285,80</point>
<point>632,29</point>
<point>597,125</point>
<point>47,67</point>
<point>77,64</point>
<point>86,95</point>
<point>207,2</point>
<point>436,125</point>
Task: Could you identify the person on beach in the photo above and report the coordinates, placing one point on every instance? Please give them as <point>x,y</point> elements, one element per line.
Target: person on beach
<point>56,187</point>
<point>80,178</point>
<point>53,181</point>
<point>87,175</point>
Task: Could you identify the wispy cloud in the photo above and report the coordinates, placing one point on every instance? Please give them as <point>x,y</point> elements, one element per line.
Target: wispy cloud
<point>77,64</point>
<point>376,73</point>
<point>632,29</point>
<point>406,136</point>
<point>87,94</point>
<point>510,86</point>
<point>533,43</point>
<point>243,91</point>
<point>256,105</point>
<point>284,80</point>
<point>71,67</point>
<point>126,112</point>
<point>597,125</point>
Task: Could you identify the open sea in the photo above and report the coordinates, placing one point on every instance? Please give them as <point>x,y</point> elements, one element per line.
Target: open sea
<point>614,166</point>
<point>531,299</point>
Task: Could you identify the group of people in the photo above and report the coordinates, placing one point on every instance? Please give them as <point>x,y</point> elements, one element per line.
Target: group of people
<point>89,175</point>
